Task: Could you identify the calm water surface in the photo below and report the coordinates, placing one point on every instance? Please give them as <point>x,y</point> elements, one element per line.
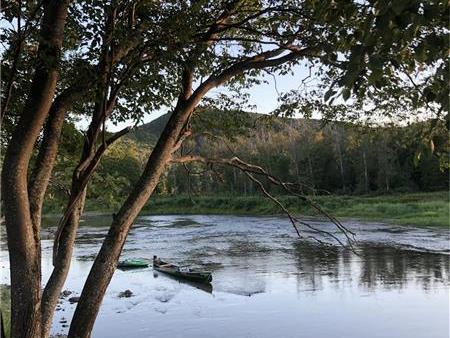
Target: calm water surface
<point>266,282</point>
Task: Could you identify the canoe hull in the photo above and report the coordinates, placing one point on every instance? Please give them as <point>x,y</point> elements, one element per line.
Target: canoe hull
<point>175,271</point>
<point>132,264</point>
<point>203,277</point>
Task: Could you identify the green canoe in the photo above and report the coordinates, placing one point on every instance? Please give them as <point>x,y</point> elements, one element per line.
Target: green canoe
<point>181,272</point>
<point>133,263</point>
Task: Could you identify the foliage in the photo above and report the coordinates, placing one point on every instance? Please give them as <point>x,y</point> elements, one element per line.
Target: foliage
<point>334,158</point>
<point>119,171</point>
<point>391,63</point>
<point>373,49</point>
<point>323,159</point>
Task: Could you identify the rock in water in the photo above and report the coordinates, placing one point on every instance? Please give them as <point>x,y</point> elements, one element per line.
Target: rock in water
<point>74,299</point>
<point>126,294</point>
<point>65,293</point>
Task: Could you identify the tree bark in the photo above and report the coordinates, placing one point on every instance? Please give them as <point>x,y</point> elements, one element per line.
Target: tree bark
<point>366,175</point>
<point>47,152</point>
<point>67,229</point>
<point>22,238</point>
<point>53,288</point>
<point>89,160</point>
<point>106,261</point>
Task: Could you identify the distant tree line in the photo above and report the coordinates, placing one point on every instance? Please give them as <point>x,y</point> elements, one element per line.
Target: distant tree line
<point>337,158</point>
<point>322,158</point>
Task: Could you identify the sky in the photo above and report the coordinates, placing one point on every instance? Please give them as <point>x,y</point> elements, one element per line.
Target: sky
<point>263,96</point>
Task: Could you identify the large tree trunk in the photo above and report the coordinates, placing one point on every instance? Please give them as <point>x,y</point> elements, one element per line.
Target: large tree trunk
<point>47,154</point>
<point>56,281</point>
<point>23,238</point>
<point>89,160</point>
<point>67,229</point>
<point>106,261</point>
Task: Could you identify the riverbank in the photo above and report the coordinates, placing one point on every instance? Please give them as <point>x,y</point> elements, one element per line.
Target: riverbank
<point>422,209</point>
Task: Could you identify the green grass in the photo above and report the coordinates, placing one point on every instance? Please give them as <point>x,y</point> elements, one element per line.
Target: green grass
<point>423,209</point>
<point>5,307</point>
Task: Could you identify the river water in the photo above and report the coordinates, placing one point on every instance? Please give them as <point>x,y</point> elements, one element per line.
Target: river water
<point>266,282</point>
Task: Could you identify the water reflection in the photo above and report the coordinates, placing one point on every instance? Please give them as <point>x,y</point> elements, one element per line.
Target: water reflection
<point>207,287</point>
<point>316,262</point>
<point>266,282</point>
<point>392,268</point>
<point>374,266</point>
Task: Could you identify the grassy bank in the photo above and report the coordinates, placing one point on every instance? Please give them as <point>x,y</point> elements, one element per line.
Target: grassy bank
<point>423,209</point>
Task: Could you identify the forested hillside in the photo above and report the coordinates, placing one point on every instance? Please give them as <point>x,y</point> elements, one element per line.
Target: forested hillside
<point>322,157</point>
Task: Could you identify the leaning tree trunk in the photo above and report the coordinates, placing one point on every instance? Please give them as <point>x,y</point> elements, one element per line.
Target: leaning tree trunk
<point>47,155</point>
<point>44,167</point>
<point>56,281</point>
<point>171,138</point>
<point>23,238</point>
<point>90,158</point>
<point>106,261</point>
<point>67,229</point>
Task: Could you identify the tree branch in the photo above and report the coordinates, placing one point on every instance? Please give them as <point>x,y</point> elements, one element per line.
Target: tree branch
<point>251,171</point>
<point>48,148</point>
<point>259,61</point>
<point>87,173</point>
<point>21,36</point>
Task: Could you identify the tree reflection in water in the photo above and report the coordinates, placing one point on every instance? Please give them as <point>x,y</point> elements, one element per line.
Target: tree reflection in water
<point>374,266</point>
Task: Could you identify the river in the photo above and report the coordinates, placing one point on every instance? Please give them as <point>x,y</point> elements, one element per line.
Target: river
<point>266,282</point>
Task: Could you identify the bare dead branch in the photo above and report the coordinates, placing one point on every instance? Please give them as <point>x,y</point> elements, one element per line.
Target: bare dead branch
<point>277,202</point>
<point>252,171</point>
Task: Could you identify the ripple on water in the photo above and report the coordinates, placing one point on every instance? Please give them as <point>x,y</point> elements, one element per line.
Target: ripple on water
<point>266,282</point>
